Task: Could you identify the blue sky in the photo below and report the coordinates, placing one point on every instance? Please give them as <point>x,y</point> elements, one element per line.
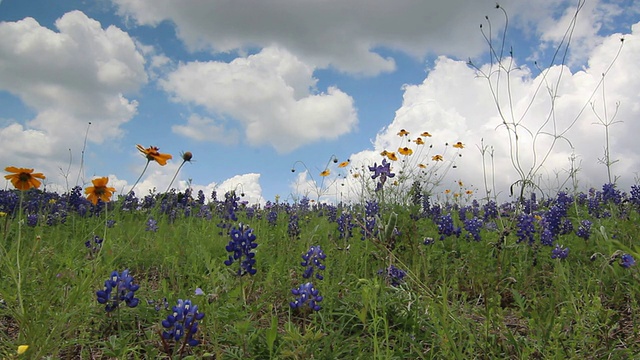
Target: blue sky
<point>252,87</point>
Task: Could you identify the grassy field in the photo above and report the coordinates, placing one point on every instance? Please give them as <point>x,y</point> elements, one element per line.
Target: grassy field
<point>422,280</point>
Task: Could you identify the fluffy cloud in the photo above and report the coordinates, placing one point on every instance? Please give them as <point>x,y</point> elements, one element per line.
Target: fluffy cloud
<point>205,129</point>
<point>345,35</point>
<point>70,78</point>
<point>454,104</point>
<point>269,93</point>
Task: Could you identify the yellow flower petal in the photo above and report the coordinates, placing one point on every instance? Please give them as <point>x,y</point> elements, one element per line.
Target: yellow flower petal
<point>22,349</point>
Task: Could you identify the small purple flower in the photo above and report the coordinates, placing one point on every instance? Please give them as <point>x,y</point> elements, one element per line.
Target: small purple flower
<point>559,252</point>
<point>383,171</point>
<point>124,291</point>
<point>306,294</point>
<point>627,261</point>
<point>199,292</point>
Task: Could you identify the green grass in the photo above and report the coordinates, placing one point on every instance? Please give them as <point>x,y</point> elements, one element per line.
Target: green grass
<point>462,299</point>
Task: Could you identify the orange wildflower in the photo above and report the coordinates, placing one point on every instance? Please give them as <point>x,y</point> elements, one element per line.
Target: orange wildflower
<point>343,164</point>
<point>99,190</point>
<point>469,192</point>
<point>403,132</point>
<point>458,145</point>
<point>392,156</point>
<point>425,134</point>
<point>437,158</point>
<point>447,191</point>
<point>422,166</point>
<point>23,179</point>
<point>151,153</point>
<point>356,175</point>
<point>405,151</point>
<point>325,173</point>
<point>384,153</point>
<point>419,141</point>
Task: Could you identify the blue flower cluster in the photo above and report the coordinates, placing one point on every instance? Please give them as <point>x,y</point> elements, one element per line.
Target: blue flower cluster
<point>446,228</point>
<point>473,227</point>
<point>627,261</point>
<point>183,322</point>
<point>312,260</point>
<point>526,228</point>
<point>308,295</point>
<point>94,245</point>
<point>584,230</point>
<point>118,288</point>
<point>241,245</point>
<point>393,275</point>
<point>559,252</point>
<point>152,225</point>
<point>382,171</point>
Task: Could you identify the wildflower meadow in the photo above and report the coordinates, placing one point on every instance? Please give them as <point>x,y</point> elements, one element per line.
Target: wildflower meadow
<point>405,268</point>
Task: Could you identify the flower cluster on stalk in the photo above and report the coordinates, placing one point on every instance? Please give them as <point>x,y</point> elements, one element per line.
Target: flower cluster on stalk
<point>559,252</point>
<point>241,246</point>
<point>117,289</point>
<point>393,275</point>
<point>307,295</point>
<point>382,171</point>
<point>312,261</point>
<point>182,324</point>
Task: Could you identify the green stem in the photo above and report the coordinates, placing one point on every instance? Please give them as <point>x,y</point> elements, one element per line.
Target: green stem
<point>139,177</point>
<point>174,176</point>
<point>19,275</point>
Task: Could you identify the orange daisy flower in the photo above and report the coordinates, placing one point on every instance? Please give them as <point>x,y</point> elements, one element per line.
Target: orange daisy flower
<point>99,190</point>
<point>458,145</point>
<point>23,179</point>
<point>469,192</point>
<point>447,191</point>
<point>384,153</point>
<point>356,175</point>
<point>151,153</point>
<point>343,164</point>
<point>392,156</point>
<point>405,151</point>
<point>403,132</point>
<point>422,166</point>
<point>425,134</point>
<point>325,173</point>
<point>437,158</point>
<point>419,141</point>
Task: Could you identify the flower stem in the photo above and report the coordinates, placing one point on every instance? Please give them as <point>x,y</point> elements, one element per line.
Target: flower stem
<point>140,177</point>
<point>175,175</point>
<point>19,275</point>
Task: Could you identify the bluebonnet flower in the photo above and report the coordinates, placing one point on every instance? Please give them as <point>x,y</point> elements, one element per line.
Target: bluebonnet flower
<point>627,261</point>
<point>152,225</point>
<point>526,228</point>
<point>32,220</point>
<point>241,245</point>
<point>229,208</point>
<point>473,226</point>
<point>201,198</point>
<point>382,171</point>
<point>94,245</point>
<point>182,323</point>
<point>559,252</point>
<point>118,288</point>
<point>584,230</point>
<point>490,210</point>
<point>446,228</point>
<point>428,241</point>
<point>272,217</point>
<point>111,223</point>
<point>610,193</point>
<point>345,226</point>
<point>293,228</point>
<point>546,237</point>
<point>199,292</point>
<point>393,275</point>
<point>635,195</point>
<point>312,260</point>
<point>308,295</point>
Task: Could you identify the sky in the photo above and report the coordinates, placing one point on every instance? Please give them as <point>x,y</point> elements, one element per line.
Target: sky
<point>256,88</point>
